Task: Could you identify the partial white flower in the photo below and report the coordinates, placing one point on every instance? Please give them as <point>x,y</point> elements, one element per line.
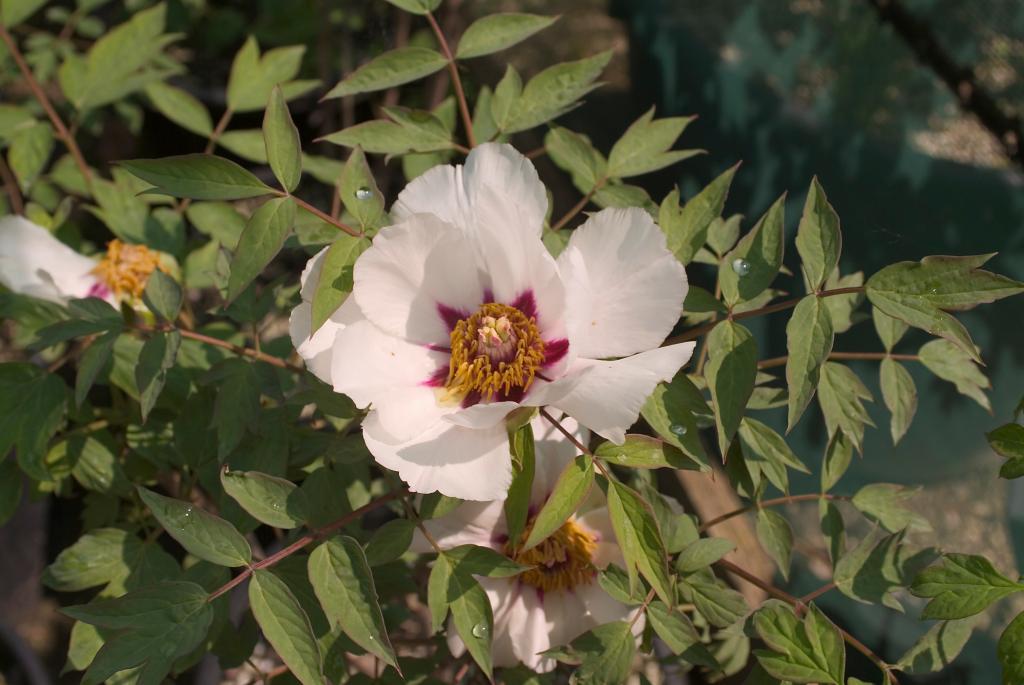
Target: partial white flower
<point>558,600</point>
<point>34,263</point>
<point>459,315</point>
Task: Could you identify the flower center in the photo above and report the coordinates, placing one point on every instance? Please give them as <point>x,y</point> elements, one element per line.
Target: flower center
<point>126,268</point>
<point>561,562</point>
<point>496,350</point>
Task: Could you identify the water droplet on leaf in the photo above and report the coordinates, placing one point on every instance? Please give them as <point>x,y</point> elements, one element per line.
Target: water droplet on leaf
<point>741,266</point>
<point>479,630</point>
<point>678,429</point>
<point>364,194</point>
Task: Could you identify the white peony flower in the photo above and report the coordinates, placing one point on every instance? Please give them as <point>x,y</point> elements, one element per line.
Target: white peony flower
<point>34,263</point>
<point>459,315</point>
<point>560,599</point>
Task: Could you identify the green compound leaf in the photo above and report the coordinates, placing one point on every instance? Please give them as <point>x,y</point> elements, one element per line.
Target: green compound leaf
<point>284,150</point>
<point>950,363</point>
<point>889,329</point>
<point>286,626</point>
<point>570,490</point>
<point>393,68</point>
<point>776,536</point>
<point>818,239</point>
<point>253,77</point>
<point>206,536</point>
<point>336,277</point>
<point>550,94</point>
<point>344,585</point>
<point>645,452</point>
<point>180,107</point>
<point>274,501</point>
<point>809,338</point>
<point>359,192</point>
<point>262,239</point>
<point>961,585</point>
<point>731,371</point>
<point>841,396</point>
<point>940,646</point>
<point>495,32</point>
<point>636,530</point>
<point>645,146</point>
<point>198,177</point>
<point>752,265</point>
<point>604,654</point>
<point>900,395</point>
<point>574,153</point>
<point>920,294</point>
<point>686,226</point>
<point>882,502</point>
<point>808,651</point>
<point>671,411</point>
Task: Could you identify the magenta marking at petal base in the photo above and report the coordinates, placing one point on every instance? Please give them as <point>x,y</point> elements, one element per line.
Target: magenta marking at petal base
<point>99,289</point>
<point>450,315</point>
<point>555,350</point>
<point>526,303</point>
<point>438,378</point>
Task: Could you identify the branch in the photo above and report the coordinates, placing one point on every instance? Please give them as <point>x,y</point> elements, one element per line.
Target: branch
<point>224,344</point>
<point>328,218</point>
<point>698,331</point>
<point>11,186</point>
<point>789,499</point>
<point>312,536</point>
<point>453,69</point>
<point>572,438</point>
<point>40,95</point>
<point>865,356</point>
<point>578,207</point>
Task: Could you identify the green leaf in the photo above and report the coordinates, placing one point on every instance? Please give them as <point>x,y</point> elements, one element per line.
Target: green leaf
<point>517,503</point>
<point>14,12</point>
<point>818,239</point>
<point>837,459</point>
<point>961,585</point>
<point>359,192</point>
<point>199,177</point>
<point>570,490</point>
<point>900,395</point>
<point>219,220</point>
<point>765,445</point>
<point>96,466</point>
<point>752,265</point>
<point>889,329</point>
<point>552,93</point>
<point>731,371</point>
<point>1008,441</point>
<point>237,404</point>
<point>1011,650</point>
<point>344,585</point>
<point>881,502</point>
<point>879,566</point>
<point>677,631</point>
<point>154,626</point>
<point>32,407</point>
<point>385,138</point>
<point>393,68</point>
<point>286,626</point>
<point>810,651</point>
<point>473,618</point>
<point>646,146</point>
<point>776,536</point>
<point>437,592</point>
<point>639,538</point>
<point>180,107</point>
<point>253,77</point>
<point>163,295</point>
<point>645,452</point>
<point>495,32</point>
<point>671,410</point>
<point>720,605</point>
<point>274,501</point>
<point>30,150</point>
<point>574,153</point>
<point>249,144</point>
<point>809,338</point>
<point>101,556</point>
<point>335,280</point>
<point>506,96</point>
<point>157,357</point>
<point>841,395</point>
<point>482,561</point>
<point>426,129</point>
<point>262,239</point>
<point>416,6</point>
<point>206,536</point>
<point>949,362</point>
<point>618,194</point>
<point>284,149</point>
<point>605,654</point>
<point>389,542</point>
<point>702,553</point>
<point>920,294</point>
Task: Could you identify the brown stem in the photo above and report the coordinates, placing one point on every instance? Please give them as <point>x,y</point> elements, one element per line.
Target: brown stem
<point>328,218</point>
<point>868,356</point>
<point>811,596</point>
<point>224,344</point>
<point>801,606</point>
<point>536,152</point>
<point>11,186</point>
<point>572,438</point>
<point>643,607</point>
<point>453,69</point>
<point>312,536</point>
<point>578,207</point>
<point>44,101</point>
<point>789,499</point>
<point>698,331</point>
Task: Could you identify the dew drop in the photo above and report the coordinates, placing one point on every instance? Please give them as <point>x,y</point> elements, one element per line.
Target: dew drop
<point>364,194</point>
<point>479,630</point>
<point>741,266</point>
<point>678,429</point>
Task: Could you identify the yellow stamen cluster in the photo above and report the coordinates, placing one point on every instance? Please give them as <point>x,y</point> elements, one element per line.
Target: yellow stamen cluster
<point>126,268</point>
<point>497,349</point>
<point>561,562</point>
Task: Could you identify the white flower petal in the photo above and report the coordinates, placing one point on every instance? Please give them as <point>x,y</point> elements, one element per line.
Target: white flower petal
<point>481,415</point>
<point>318,350</point>
<point>417,278</point>
<point>468,463</point>
<point>34,263</point>
<point>530,624</point>
<point>606,396</point>
<point>598,523</point>
<point>553,452</point>
<point>502,595</point>
<point>624,289</point>
<point>393,375</point>
<point>438,191</point>
<point>472,523</point>
<point>310,277</point>
<point>601,608</point>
